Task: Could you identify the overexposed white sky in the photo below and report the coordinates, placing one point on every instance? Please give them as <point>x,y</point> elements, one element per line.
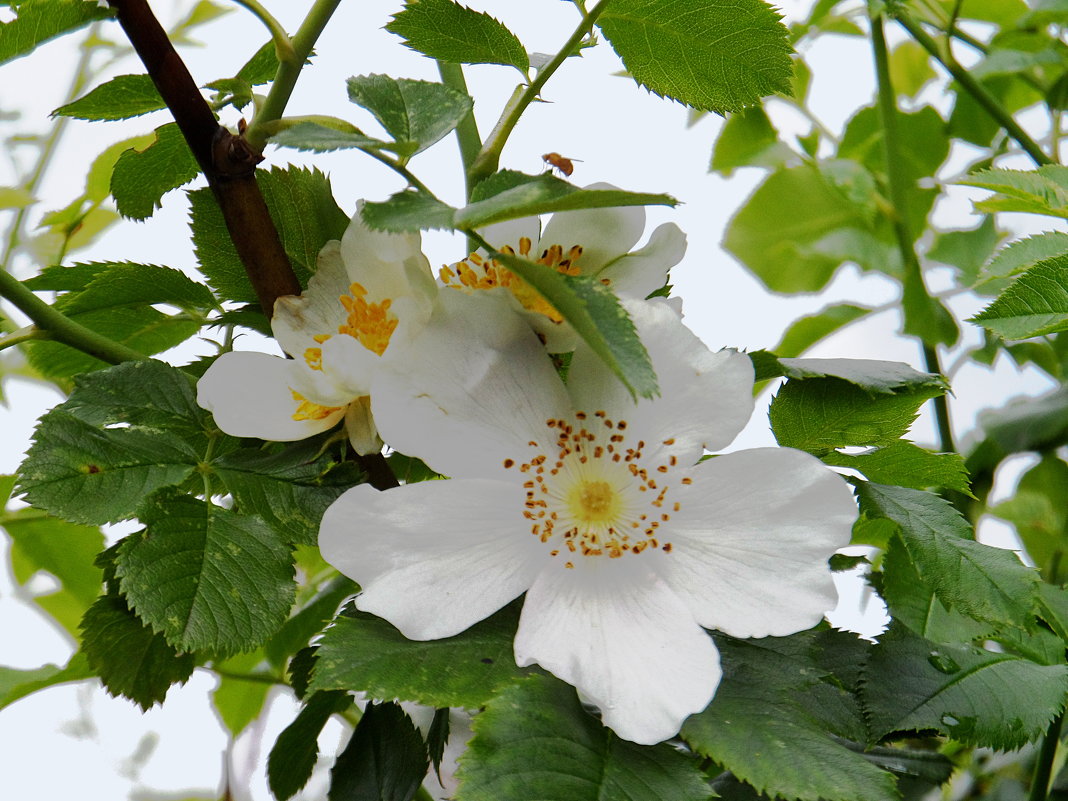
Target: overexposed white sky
<point>621,133</point>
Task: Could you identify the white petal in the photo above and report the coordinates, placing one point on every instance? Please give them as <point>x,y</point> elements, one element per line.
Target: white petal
<point>387,265</point>
<point>360,426</point>
<point>436,557</point>
<point>475,387</point>
<point>705,398</point>
<point>251,395</point>
<point>604,234</point>
<point>751,541</point>
<point>318,310</point>
<point>625,641</point>
<point>644,271</point>
<point>509,232</point>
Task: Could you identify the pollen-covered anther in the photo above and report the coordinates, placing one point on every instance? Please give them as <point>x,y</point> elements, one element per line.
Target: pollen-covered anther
<point>372,324</point>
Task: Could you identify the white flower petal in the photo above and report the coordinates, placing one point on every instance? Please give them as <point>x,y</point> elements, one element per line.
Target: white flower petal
<point>436,557</point>
<point>509,232</point>
<point>475,387</point>
<point>299,318</point>
<point>387,265</point>
<point>604,234</point>
<point>360,426</point>
<point>251,395</point>
<point>705,398</point>
<point>625,641</point>
<point>751,541</point>
<point>643,271</point>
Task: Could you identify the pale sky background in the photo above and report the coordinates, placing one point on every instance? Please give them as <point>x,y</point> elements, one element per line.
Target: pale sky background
<point>74,741</point>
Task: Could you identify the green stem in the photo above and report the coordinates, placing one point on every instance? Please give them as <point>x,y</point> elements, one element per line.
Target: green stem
<point>259,678</point>
<point>401,170</point>
<point>283,47</point>
<point>23,335</point>
<point>490,156</point>
<point>467,136</point>
<point>289,69</point>
<point>63,329</point>
<point>974,88</point>
<point>1044,763</point>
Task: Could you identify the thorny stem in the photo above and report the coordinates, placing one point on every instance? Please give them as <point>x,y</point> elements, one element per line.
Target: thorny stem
<point>1044,762</point>
<point>489,158</point>
<point>973,87</point>
<point>285,80</point>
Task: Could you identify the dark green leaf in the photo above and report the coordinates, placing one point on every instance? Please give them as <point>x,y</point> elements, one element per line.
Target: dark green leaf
<point>296,632</point>
<point>533,740</point>
<point>139,284</point>
<point>989,584</point>
<point>748,139</point>
<point>292,758</point>
<point>130,659</point>
<point>820,415</point>
<point>906,465</point>
<point>38,21</point>
<point>872,375</point>
<point>415,113</point>
<point>437,737</point>
<point>323,138</point>
<point>122,97</point>
<point>409,210</point>
<point>448,31</point>
<point>710,55</point>
<point>142,177</point>
<point>1036,304</point>
<point>975,696</point>
<point>385,759</point>
<point>806,331</point>
<point>16,684</point>
<point>597,316</point>
<point>261,68</point>
<point>365,652</point>
<point>207,578</point>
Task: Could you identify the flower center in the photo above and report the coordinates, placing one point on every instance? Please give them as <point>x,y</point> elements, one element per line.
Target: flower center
<point>371,324</point>
<point>306,410</point>
<point>476,272</point>
<point>595,492</point>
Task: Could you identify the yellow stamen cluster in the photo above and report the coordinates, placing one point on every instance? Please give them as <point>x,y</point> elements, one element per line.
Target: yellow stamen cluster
<point>370,323</point>
<point>594,494</point>
<point>476,272</point>
<point>306,410</point>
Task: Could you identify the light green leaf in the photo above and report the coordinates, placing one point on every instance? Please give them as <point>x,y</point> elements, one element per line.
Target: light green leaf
<point>710,55</point>
<point>1037,511</point>
<point>292,758</point>
<point>873,375</point>
<point>906,465</point>
<point>534,740</point>
<point>38,21</point>
<point>966,250</point>
<point>597,316</point>
<point>142,177</point>
<point>1036,304</point>
<point>15,197</point>
<point>415,113</point>
<point>748,139</point>
<point>1040,191</point>
<point>324,138</point>
<point>975,696</point>
<point>806,331</point>
<point>122,97</point>
<point>206,577</point>
<point>16,684</point>
<point>129,284</point>
<point>910,68</point>
<point>409,211</point>
<point>448,31</point>
<point>238,702</point>
<point>364,652</point>
<point>546,193</point>
<point>1018,256</point>
<point>986,583</point>
<point>98,179</point>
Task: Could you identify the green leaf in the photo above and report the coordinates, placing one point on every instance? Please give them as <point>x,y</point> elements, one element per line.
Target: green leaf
<point>142,177</point>
<point>906,465</point>
<point>407,211</point>
<point>710,55</point>
<point>38,21</point>
<point>302,207</point>
<point>873,375</point>
<point>546,193</point>
<point>772,720</point>
<point>806,331</point>
<point>748,139</point>
<point>1018,256</point>
<point>131,284</point>
<point>206,577</point>
<point>820,415</point>
<point>966,250</point>
<point>415,113</point>
<point>16,684</point>
<point>292,758</point>
<point>986,583</point>
<point>364,652</point>
<point>533,740</point>
<point>1040,191</point>
<point>1023,424</point>
<point>910,68</point>
<point>597,316</point>
<point>448,31</point>
<point>130,659</point>
<point>261,67</point>
<point>290,489</point>
<point>1038,513</point>
<point>385,759</point>
<point>15,197</point>
<point>238,702</point>
<point>1035,305</point>
<point>975,696</point>
<point>122,97</point>
<point>324,138</point>
<point>296,632</point>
